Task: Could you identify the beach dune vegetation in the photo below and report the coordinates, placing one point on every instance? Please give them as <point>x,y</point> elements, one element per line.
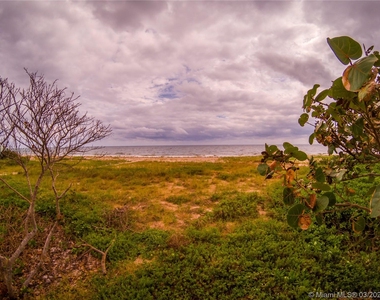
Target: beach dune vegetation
<point>345,118</point>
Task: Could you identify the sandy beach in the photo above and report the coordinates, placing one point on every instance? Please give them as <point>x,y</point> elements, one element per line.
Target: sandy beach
<point>161,158</point>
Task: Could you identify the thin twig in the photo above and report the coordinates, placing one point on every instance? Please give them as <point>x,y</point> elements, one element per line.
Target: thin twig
<point>103,253</point>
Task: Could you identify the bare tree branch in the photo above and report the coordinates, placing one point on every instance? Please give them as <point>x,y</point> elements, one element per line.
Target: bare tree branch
<point>45,122</point>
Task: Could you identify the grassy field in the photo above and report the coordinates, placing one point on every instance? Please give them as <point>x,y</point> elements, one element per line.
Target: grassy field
<point>181,230</point>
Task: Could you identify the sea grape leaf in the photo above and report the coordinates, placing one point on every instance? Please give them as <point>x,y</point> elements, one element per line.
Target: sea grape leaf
<point>358,225</point>
<point>338,91</point>
<point>311,138</point>
<point>287,146</point>
<point>288,196</point>
<point>303,119</point>
<point>300,155</point>
<point>271,149</point>
<point>304,221</point>
<point>308,98</point>
<point>263,169</point>
<point>345,48</point>
<point>321,186</point>
<point>357,74</point>
<point>321,203</point>
<point>331,196</point>
<point>367,91</point>
<point>357,128</point>
<point>339,175</point>
<point>319,175</point>
<point>322,95</point>
<point>375,203</point>
<point>319,218</point>
<point>294,213</point>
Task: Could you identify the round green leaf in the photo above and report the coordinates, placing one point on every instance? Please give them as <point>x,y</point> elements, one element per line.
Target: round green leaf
<point>287,146</point>
<point>338,91</point>
<point>319,175</point>
<point>357,74</point>
<point>358,225</point>
<point>294,213</point>
<point>321,186</point>
<point>345,48</point>
<point>339,174</point>
<point>331,197</point>
<point>288,196</point>
<point>303,119</point>
<point>263,169</point>
<point>271,149</point>
<point>321,204</point>
<point>319,218</point>
<point>300,155</point>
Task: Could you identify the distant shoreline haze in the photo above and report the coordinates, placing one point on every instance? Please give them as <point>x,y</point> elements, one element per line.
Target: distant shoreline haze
<point>195,150</point>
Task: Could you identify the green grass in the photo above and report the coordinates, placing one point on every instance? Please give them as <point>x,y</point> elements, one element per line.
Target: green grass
<point>258,260</point>
<point>188,230</point>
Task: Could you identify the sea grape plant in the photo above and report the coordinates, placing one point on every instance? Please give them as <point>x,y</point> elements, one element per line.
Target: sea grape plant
<point>346,119</point>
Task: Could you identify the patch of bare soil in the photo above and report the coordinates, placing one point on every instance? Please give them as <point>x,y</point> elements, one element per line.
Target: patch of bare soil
<point>261,211</point>
<point>157,225</point>
<point>60,264</point>
<point>169,206</point>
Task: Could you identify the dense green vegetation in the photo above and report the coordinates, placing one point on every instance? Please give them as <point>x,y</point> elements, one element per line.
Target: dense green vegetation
<point>345,119</point>
<point>185,230</point>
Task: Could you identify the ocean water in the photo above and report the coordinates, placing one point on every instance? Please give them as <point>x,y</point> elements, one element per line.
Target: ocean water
<point>195,150</point>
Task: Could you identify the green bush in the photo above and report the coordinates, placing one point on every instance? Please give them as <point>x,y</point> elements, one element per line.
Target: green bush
<point>230,209</point>
<point>259,260</point>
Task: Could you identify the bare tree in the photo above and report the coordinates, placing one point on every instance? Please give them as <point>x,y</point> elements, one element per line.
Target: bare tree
<point>7,93</point>
<point>45,123</point>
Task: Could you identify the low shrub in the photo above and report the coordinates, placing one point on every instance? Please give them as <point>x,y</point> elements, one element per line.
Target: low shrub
<point>230,209</point>
<point>259,260</point>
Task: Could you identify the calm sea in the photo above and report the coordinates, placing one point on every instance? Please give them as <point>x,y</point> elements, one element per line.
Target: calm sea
<point>198,150</point>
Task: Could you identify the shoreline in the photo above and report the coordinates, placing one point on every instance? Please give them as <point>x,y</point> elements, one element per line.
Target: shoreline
<point>195,158</point>
<point>161,158</point>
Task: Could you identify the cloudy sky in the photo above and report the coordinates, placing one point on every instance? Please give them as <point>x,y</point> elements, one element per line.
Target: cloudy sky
<point>185,72</point>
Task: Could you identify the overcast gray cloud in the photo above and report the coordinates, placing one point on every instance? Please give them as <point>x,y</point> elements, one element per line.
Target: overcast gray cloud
<point>185,72</point>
